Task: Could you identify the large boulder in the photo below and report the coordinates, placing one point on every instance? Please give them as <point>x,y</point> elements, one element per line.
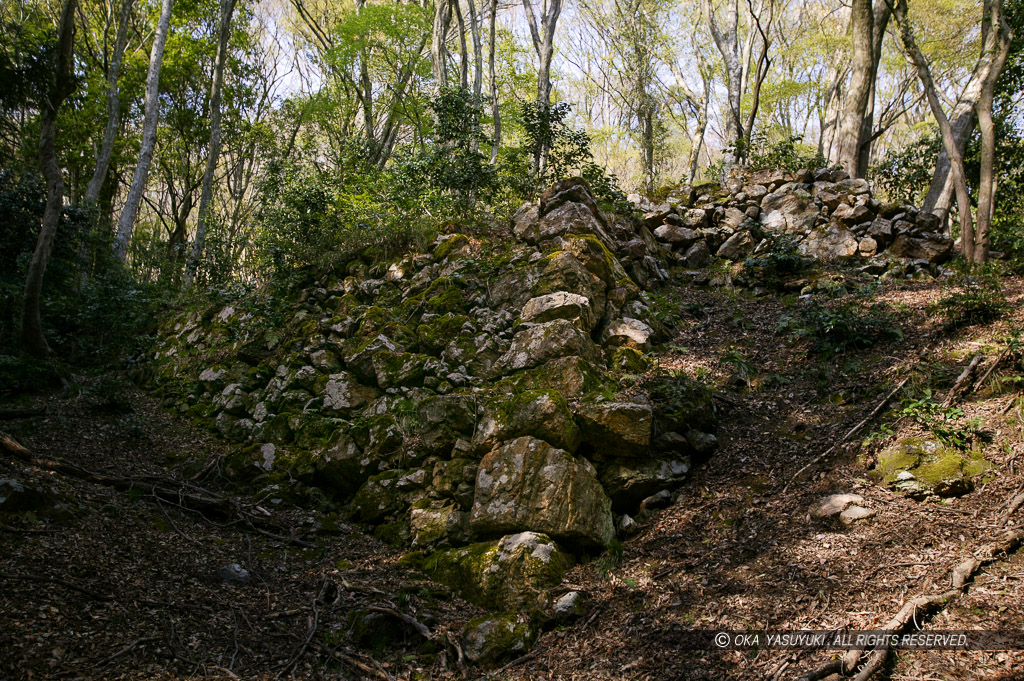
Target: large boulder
<point>527,484</point>
<point>560,305</point>
<point>512,573</point>
<point>616,428</point>
<point>830,243</point>
<point>541,413</point>
<point>571,376</point>
<point>343,394</point>
<point>789,212</point>
<point>541,343</point>
<point>628,482</point>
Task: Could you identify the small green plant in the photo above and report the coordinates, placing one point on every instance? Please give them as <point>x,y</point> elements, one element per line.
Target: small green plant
<point>945,423</point>
<point>834,327</point>
<point>735,358</point>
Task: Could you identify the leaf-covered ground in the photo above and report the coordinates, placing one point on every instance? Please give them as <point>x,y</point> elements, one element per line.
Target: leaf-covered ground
<point>118,583</point>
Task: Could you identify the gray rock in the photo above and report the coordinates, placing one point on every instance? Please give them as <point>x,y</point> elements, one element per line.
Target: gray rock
<point>234,573</point>
<point>527,484</point>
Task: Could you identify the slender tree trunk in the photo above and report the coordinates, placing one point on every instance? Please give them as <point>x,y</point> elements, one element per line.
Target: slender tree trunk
<point>963,198</point>
<point>727,41</point>
<point>106,151</point>
<point>544,44</point>
<point>131,207</point>
<point>439,43</point>
<point>227,10</point>
<point>1000,31</point>
<point>63,85</point>
<point>463,51</point>
<point>495,111</point>
<point>962,124</point>
<point>881,14</point>
<point>861,84</point>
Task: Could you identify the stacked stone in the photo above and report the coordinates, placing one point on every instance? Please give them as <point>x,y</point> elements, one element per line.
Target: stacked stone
<point>829,215</point>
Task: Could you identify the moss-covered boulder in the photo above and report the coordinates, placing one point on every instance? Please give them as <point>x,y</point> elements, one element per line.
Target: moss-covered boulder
<point>439,524</point>
<point>571,376</point>
<point>526,484</point>
<point>379,497</point>
<point>359,356</point>
<point>340,468</point>
<point>921,468</point>
<point>560,305</point>
<point>544,414</point>
<point>621,429</point>
<point>399,370</point>
<point>441,420</point>
<point>492,639</point>
<point>542,343</point>
<point>512,573</point>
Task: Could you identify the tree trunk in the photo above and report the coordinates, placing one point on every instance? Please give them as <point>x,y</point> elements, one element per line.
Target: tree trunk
<point>131,207</point>
<point>924,73</point>
<point>544,45</point>
<point>495,112</point>
<point>940,191</point>
<point>727,42</point>
<point>63,85</point>
<point>1000,33</point>
<point>439,44</point>
<point>867,31</point>
<point>227,10</point>
<point>106,151</point>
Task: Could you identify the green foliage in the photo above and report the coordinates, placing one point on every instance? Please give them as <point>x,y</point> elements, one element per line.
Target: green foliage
<point>772,267</point>
<point>943,422</point>
<point>320,219</point>
<point>91,316</point>
<point>904,174</point>
<point>833,327</point>
<point>788,153</point>
<point>973,297</point>
<point>568,151</point>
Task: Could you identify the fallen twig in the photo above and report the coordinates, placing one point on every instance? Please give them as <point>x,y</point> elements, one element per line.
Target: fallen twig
<point>63,582</point>
<point>964,376</point>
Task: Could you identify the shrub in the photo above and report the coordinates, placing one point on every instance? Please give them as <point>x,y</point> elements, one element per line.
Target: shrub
<point>770,268</point>
<point>788,153</point>
<point>834,327</point>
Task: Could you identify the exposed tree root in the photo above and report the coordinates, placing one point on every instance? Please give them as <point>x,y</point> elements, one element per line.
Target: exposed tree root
<point>183,494</point>
<point>918,608</point>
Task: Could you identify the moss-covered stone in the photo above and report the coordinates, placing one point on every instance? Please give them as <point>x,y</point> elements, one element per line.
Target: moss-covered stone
<point>629,360</point>
<point>435,335</point>
<point>454,246</point>
<point>399,370</point>
<point>544,414</point>
<point>921,468</point>
<point>572,376</point>
<point>492,639</point>
<point>527,484</point>
<point>512,573</point>
<point>378,497</point>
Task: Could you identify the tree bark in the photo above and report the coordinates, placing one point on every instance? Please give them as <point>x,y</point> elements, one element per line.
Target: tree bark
<point>941,190</point>
<point>1000,33</point>
<point>924,73</point>
<point>867,30</point>
<point>227,10</point>
<point>544,44</point>
<point>106,151</point>
<point>495,111</point>
<point>439,43</point>
<point>126,223</point>
<point>61,87</point>
<point>727,41</point>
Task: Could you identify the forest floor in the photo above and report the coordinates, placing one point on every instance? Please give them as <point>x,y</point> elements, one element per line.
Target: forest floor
<point>124,583</point>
